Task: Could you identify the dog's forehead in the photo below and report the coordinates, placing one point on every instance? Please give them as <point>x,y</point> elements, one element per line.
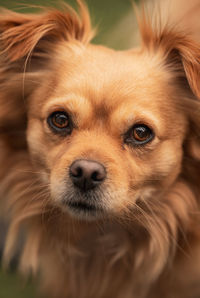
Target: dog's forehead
<point>106,76</point>
<point>103,80</point>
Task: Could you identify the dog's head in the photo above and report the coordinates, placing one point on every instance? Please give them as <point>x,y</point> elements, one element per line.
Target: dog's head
<point>105,129</point>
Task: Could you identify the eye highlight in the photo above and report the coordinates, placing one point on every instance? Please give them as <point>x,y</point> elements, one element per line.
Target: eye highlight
<point>59,122</point>
<point>139,134</point>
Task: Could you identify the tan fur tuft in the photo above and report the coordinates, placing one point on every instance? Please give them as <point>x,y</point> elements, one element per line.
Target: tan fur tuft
<point>22,33</point>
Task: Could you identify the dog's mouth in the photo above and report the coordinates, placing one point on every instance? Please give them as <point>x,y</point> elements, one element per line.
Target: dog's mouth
<point>83,209</point>
<point>82,206</point>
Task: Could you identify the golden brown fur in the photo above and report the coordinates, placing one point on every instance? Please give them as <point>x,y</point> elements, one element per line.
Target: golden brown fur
<point>147,241</point>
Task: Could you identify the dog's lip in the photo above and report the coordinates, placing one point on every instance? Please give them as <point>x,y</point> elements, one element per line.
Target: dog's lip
<point>83,207</point>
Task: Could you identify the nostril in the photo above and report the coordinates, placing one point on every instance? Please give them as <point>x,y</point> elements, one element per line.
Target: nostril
<point>97,176</point>
<point>77,172</point>
<point>94,176</point>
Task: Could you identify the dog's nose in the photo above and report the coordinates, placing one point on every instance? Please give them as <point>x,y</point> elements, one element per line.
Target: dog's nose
<point>87,174</point>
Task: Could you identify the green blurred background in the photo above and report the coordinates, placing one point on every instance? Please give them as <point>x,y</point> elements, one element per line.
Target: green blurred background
<point>117,29</point>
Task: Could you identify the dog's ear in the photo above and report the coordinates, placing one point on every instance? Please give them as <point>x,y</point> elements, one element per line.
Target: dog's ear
<point>35,35</point>
<point>180,53</point>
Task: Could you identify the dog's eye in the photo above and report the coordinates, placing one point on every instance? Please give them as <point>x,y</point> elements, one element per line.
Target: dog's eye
<point>140,134</point>
<point>59,122</point>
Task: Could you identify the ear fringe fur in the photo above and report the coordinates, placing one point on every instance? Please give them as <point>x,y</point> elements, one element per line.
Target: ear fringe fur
<point>22,33</point>
<point>161,36</point>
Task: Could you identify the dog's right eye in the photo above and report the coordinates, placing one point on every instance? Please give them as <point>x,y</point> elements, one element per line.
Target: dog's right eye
<point>59,122</point>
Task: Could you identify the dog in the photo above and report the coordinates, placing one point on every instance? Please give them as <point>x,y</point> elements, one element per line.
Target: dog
<point>100,156</point>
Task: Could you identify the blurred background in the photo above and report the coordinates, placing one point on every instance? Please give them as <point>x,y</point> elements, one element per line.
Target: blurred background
<point>117,28</point>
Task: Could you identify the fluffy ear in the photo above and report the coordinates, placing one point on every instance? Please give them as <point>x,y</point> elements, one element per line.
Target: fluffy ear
<point>180,53</point>
<point>181,56</point>
<point>29,34</point>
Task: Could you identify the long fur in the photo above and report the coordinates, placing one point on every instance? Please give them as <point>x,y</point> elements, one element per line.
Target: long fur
<point>144,251</point>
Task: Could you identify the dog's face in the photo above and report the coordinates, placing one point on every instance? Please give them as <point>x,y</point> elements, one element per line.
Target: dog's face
<point>106,130</point>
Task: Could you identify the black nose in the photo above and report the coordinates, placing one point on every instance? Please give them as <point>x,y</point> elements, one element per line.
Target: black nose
<point>87,174</point>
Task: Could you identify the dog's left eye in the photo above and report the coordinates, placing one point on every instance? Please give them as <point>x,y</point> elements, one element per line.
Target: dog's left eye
<point>139,134</point>
<point>59,122</point>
